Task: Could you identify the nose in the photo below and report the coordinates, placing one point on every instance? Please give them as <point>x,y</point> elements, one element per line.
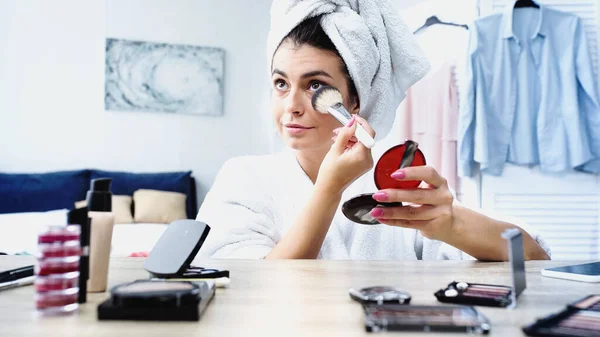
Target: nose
<point>294,103</point>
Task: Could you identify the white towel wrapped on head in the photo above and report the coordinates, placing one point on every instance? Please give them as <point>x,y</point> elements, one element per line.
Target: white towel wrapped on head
<point>380,52</point>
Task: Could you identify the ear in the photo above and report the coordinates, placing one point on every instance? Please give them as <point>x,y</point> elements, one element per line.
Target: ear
<point>355,105</point>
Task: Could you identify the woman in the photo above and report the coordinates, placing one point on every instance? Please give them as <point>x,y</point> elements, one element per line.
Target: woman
<point>287,205</point>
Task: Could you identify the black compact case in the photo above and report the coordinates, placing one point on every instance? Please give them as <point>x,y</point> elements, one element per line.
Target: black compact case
<point>492,295</point>
<point>157,301</point>
<point>380,295</point>
<point>162,299</point>
<point>579,319</point>
<point>172,255</point>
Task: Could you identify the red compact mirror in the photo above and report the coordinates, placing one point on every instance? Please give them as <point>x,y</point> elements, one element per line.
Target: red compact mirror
<point>358,209</point>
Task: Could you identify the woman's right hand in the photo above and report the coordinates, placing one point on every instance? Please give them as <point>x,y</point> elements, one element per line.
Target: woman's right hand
<point>347,159</point>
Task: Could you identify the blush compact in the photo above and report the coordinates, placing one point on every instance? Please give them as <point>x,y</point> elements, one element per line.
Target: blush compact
<point>358,209</point>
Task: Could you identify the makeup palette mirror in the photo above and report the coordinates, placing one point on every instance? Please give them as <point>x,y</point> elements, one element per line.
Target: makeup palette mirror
<point>492,295</point>
<point>400,156</point>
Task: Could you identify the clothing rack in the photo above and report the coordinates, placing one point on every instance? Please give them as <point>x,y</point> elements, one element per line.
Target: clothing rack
<point>526,3</point>
<point>434,20</point>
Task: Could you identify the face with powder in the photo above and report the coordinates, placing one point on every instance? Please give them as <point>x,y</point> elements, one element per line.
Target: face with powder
<point>303,63</point>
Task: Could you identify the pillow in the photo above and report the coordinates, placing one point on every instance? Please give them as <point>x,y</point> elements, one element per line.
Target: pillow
<point>40,192</point>
<point>152,206</point>
<point>18,231</point>
<point>121,208</point>
<point>126,183</point>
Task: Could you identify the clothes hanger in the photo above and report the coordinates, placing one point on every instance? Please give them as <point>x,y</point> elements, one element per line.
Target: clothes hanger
<point>434,20</point>
<point>526,3</point>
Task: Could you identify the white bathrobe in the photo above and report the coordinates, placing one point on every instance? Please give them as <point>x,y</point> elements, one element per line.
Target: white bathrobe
<point>256,199</point>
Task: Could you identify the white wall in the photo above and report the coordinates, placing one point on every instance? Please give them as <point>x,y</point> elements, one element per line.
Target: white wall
<point>52,113</point>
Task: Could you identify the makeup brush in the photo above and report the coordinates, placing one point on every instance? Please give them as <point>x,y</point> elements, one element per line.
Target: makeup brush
<point>329,100</point>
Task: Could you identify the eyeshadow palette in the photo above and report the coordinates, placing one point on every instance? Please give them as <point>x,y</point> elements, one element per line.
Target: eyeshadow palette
<point>580,319</point>
<point>491,295</point>
<point>476,294</point>
<point>399,317</point>
<point>589,303</point>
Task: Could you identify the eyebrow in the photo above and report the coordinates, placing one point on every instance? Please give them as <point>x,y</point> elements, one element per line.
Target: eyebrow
<point>305,75</point>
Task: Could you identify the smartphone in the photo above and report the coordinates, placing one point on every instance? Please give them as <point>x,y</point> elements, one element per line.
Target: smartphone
<point>398,317</point>
<point>588,272</point>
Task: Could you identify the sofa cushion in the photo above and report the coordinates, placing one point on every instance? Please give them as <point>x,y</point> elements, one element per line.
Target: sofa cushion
<point>121,208</point>
<point>39,192</point>
<point>126,183</point>
<point>152,206</point>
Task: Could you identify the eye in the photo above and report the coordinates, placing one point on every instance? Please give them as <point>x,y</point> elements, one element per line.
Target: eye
<point>315,85</point>
<point>280,84</point>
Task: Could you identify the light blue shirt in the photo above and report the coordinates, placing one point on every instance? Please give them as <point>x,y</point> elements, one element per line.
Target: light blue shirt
<point>531,96</point>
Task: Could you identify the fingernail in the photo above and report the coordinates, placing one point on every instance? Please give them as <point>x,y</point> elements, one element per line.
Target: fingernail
<point>351,122</point>
<point>377,212</point>
<point>336,131</point>
<point>380,196</point>
<point>398,175</point>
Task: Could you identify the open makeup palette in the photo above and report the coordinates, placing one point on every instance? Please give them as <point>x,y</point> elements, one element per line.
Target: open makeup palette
<point>400,317</point>
<point>580,319</point>
<point>492,295</point>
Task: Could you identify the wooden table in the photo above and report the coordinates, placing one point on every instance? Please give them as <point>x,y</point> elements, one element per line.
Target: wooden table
<point>300,298</point>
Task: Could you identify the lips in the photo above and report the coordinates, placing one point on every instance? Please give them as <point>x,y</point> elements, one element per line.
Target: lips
<point>297,129</point>
<point>297,126</point>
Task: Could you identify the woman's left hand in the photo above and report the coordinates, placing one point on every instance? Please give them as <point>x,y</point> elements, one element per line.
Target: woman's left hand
<point>429,208</point>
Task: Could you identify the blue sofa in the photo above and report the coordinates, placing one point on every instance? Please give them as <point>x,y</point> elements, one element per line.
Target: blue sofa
<point>39,192</point>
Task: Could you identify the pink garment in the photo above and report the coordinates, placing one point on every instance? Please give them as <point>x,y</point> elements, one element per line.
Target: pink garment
<point>139,254</point>
<point>429,116</point>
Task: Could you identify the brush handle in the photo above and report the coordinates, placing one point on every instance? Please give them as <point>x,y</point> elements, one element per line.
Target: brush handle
<point>343,116</point>
<point>364,137</point>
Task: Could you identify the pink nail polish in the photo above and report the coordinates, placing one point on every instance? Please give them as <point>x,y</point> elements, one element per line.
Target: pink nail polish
<point>380,196</point>
<point>351,122</point>
<point>377,212</point>
<point>398,175</point>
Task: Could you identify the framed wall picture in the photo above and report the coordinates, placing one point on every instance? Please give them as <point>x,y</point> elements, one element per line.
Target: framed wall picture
<point>163,77</point>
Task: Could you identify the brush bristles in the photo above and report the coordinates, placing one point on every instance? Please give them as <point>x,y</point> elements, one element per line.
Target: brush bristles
<point>326,97</point>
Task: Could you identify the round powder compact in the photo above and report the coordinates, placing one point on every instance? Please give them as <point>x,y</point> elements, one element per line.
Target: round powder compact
<point>60,249</point>
<point>60,234</point>
<point>358,209</point>
<point>57,265</point>
<point>54,282</point>
<point>380,295</point>
<point>57,302</point>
